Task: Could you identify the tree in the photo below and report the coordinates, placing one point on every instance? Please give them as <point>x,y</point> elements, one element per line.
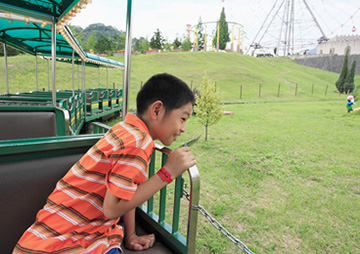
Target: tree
<point>344,72</point>
<point>177,43</point>
<point>76,30</point>
<point>119,42</point>
<point>208,109</point>
<point>157,41</point>
<point>224,36</point>
<point>167,45</point>
<point>136,44</point>
<point>186,45</point>
<point>145,45</point>
<point>101,29</point>
<point>103,45</point>
<point>91,42</point>
<point>349,81</point>
<point>201,35</point>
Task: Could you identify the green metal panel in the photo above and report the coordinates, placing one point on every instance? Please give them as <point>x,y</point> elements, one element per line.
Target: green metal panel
<point>150,202</point>
<point>163,232</point>
<point>92,103</point>
<point>162,205</point>
<point>105,113</point>
<point>179,184</point>
<point>25,149</point>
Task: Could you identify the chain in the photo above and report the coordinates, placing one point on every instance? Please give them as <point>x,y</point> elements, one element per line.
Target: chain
<point>218,226</point>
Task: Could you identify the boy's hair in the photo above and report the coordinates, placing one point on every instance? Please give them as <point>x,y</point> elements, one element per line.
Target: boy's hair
<point>172,91</point>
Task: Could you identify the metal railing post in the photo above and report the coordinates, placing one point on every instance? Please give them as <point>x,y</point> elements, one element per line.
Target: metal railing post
<point>53,55</point>
<point>127,59</point>
<point>193,212</point>
<point>6,69</point>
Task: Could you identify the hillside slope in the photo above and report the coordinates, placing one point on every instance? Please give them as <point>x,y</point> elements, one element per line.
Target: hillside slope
<point>230,71</point>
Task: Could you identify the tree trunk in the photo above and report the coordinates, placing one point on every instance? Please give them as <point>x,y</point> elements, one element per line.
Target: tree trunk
<point>206,132</point>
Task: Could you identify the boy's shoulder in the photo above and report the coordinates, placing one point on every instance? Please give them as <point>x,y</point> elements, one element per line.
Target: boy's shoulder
<point>131,133</point>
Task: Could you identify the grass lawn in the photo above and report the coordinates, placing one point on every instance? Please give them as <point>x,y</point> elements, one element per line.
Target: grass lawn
<point>281,177</point>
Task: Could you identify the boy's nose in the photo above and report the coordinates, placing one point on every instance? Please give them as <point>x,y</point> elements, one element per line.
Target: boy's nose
<point>183,128</point>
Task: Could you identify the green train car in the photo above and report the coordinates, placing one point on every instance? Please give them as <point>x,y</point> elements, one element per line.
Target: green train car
<point>42,133</point>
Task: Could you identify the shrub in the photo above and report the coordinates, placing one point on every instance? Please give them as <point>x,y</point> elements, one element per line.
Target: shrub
<point>208,109</point>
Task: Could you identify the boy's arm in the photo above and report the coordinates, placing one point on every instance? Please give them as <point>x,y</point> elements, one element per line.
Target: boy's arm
<point>132,241</point>
<point>115,207</point>
<point>178,161</point>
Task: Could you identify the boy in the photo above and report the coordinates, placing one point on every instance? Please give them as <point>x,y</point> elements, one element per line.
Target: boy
<point>349,103</point>
<point>107,183</point>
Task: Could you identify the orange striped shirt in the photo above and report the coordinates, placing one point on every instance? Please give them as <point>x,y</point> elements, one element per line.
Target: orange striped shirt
<point>72,221</point>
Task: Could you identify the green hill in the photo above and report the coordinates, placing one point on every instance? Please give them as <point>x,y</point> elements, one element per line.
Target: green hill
<point>231,72</point>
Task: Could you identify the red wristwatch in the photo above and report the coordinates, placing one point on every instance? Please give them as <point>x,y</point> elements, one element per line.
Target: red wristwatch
<point>164,175</point>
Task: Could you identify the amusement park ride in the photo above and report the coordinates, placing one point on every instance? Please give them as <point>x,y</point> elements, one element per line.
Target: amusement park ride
<point>296,26</point>
<point>239,42</point>
<point>286,39</point>
<point>280,27</point>
<point>42,133</point>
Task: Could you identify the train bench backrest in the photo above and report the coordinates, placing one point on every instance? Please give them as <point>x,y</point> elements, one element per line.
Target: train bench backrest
<point>19,125</point>
<point>25,187</point>
<point>22,122</point>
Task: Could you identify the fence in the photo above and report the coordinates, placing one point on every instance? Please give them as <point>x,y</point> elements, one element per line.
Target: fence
<point>285,91</point>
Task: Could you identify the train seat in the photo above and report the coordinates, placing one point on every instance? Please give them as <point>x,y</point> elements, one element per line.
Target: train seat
<point>19,125</point>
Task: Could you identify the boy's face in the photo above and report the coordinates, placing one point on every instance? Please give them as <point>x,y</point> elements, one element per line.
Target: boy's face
<point>172,124</point>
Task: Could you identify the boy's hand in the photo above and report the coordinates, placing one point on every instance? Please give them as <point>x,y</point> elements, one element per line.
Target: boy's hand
<point>179,160</point>
<point>143,242</point>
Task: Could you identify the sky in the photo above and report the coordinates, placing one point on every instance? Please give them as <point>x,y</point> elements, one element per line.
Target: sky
<point>261,19</point>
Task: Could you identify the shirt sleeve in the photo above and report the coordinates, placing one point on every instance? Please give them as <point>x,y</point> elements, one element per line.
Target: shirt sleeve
<point>129,170</point>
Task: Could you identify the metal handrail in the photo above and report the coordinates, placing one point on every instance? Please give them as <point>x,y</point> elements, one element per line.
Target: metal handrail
<point>193,202</point>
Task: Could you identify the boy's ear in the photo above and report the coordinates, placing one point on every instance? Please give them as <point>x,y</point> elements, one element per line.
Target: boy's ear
<point>156,107</point>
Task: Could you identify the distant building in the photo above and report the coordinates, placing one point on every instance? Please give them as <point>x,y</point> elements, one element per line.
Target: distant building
<point>339,44</point>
